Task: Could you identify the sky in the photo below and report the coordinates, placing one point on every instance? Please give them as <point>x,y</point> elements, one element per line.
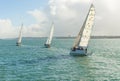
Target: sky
<point>67,15</point>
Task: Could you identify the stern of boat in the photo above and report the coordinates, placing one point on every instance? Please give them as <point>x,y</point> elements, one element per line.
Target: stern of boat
<point>47,45</point>
<point>78,52</point>
<point>18,44</point>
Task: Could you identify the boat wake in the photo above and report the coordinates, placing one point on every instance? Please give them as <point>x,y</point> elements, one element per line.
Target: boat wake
<point>31,46</point>
<point>89,53</point>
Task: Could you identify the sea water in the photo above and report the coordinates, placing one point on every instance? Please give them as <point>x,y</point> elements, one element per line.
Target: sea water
<point>33,62</point>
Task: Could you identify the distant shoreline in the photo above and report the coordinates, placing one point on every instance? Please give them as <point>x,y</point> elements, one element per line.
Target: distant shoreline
<point>105,37</point>
<point>58,37</point>
<point>94,37</point>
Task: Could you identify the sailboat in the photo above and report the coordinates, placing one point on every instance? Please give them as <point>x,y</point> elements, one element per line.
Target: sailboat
<point>81,43</point>
<point>48,42</point>
<point>18,43</point>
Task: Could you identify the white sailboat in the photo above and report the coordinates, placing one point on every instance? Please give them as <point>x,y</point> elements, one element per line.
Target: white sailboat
<point>48,42</point>
<point>81,43</point>
<point>18,43</point>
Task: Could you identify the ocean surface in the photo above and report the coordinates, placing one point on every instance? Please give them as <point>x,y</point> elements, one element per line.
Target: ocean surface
<point>33,62</point>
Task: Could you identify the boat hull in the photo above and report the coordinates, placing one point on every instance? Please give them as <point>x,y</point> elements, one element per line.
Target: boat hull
<point>78,52</point>
<point>47,45</point>
<point>18,44</point>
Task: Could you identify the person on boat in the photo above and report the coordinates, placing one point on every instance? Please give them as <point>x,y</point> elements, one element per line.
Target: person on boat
<point>80,48</point>
<point>86,50</point>
<point>74,48</point>
<point>47,45</point>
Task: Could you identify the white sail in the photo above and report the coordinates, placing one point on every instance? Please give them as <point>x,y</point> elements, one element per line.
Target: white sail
<point>51,35</point>
<point>88,27</point>
<point>20,35</point>
<point>85,32</point>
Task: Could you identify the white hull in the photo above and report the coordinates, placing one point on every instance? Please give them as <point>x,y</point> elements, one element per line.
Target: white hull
<point>78,52</point>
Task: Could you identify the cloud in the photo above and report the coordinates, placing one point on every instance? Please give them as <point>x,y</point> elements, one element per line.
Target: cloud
<point>52,7</point>
<point>98,18</point>
<point>80,1</point>
<point>61,8</point>
<point>112,5</point>
<point>67,19</point>
<point>6,29</point>
<point>37,29</point>
<point>40,28</point>
<point>107,21</point>
<point>34,30</point>
<point>69,16</point>
<point>40,16</point>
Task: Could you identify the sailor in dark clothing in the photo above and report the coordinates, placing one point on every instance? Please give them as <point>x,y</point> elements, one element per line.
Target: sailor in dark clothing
<point>74,49</point>
<point>86,49</point>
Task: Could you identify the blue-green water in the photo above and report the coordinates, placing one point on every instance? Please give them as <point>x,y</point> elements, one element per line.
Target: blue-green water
<point>33,62</point>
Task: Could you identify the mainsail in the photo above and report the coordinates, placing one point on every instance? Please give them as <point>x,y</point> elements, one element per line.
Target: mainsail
<point>20,35</point>
<point>85,32</point>
<point>51,35</point>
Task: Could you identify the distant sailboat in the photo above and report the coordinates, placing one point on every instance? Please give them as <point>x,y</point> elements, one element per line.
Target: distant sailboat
<point>81,43</point>
<point>48,42</point>
<point>18,43</point>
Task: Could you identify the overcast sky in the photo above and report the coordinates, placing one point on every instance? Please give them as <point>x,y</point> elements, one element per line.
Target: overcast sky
<point>67,15</point>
